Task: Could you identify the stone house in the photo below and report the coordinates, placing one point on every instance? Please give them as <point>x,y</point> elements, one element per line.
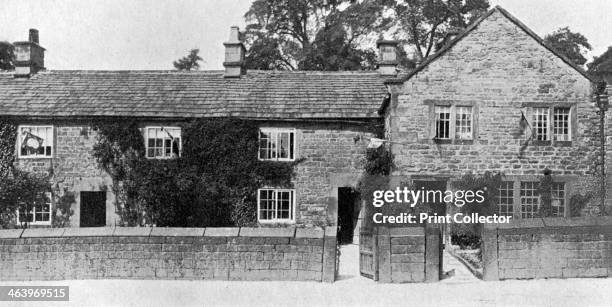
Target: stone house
<point>460,110</point>
<point>314,116</point>
<point>498,99</point>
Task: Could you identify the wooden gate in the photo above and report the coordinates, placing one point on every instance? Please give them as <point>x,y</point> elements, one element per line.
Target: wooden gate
<point>368,261</point>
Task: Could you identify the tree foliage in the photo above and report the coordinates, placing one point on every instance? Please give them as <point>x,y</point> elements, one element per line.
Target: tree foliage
<point>189,62</point>
<point>571,44</point>
<point>332,35</point>
<point>602,63</point>
<point>7,56</point>
<point>311,34</point>
<point>427,25</point>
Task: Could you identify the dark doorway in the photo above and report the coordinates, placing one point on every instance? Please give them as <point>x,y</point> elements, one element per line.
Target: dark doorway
<point>347,218</point>
<point>93,209</point>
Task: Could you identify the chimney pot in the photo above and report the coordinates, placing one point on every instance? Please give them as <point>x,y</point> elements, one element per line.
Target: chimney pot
<point>33,36</point>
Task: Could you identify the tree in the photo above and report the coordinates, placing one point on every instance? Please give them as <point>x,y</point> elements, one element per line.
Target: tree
<point>7,56</point>
<point>189,62</point>
<point>311,34</point>
<point>602,64</point>
<point>427,25</point>
<point>331,35</point>
<point>571,44</point>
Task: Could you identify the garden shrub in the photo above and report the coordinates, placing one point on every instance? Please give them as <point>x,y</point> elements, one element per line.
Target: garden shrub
<point>468,235</point>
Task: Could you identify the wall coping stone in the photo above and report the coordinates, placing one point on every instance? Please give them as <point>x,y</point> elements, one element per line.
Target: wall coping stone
<point>313,233</point>
<point>43,232</point>
<point>177,232</point>
<point>221,232</point>
<point>89,232</point>
<point>285,232</point>
<point>331,231</point>
<point>10,233</point>
<point>132,231</point>
<point>553,222</point>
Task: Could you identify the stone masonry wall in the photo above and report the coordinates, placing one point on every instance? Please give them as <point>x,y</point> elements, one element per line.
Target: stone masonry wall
<point>333,156</point>
<point>73,167</point>
<point>168,253</point>
<point>499,70</point>
<point>548,248</point>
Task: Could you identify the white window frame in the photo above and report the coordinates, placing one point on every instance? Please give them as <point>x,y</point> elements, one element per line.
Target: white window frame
<point>471,113</point>
<point>275,132</point>
<point>276,220</point>
<point>437,121</point>
<point>35,156</point>
<point>569,124</point>
<point>452,125</point>
<point>146,138</point>
<point>33,207</point>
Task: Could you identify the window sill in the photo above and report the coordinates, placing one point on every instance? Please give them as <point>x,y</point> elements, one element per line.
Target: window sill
<point>34,157</point>
<point>277,222</point>
<point>277,160</point>
<point>562,143</point>
<point>455,141</point>
<point>541,143</point>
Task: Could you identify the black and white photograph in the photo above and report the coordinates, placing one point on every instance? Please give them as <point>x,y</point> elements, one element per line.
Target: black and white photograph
<point>305,153</point>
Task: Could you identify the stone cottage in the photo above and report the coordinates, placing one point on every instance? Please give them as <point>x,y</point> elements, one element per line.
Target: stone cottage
<point>497,98</point>
<point>314,116</point>
<point>460,110</point>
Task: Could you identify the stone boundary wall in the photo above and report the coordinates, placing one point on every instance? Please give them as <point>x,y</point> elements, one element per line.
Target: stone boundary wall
<point>548,248</point>
<point>408,254</point>
<point>302,254</point>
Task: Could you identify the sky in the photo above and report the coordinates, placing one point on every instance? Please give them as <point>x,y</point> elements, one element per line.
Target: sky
<point>150,34</point>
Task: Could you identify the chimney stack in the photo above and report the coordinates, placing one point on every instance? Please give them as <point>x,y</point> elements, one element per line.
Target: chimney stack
<point>29,56</point>
<point>234,55</point>
<point>387,57</point>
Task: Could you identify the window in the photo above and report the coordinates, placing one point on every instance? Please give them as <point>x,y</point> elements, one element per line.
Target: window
<point>530,200</point>
<point>275,205</point>
<point>552,124</point>
<point>453,122</point>
<point>558,199</point>
<point>505,198</point>
<point>277,144</point>
<point>38,213</point>
<point>561,124</point>
<point>35,141</point>
<point>540,124</point>
<point>442,122</point>
<point>163,142</point>
<point>463,125</point>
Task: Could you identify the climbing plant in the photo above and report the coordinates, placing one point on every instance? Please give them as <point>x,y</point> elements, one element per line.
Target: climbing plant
<point>8,136</point>
<point>213,183</point>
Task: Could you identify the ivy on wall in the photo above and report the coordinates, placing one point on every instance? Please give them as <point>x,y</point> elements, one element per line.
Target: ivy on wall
<point>19,189</point>
<point>213,183</point>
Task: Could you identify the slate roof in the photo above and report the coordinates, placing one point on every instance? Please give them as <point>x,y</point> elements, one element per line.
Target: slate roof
<point>172,94</point>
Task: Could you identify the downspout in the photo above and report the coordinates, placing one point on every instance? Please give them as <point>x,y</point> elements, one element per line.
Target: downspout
<point>602,104</point>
